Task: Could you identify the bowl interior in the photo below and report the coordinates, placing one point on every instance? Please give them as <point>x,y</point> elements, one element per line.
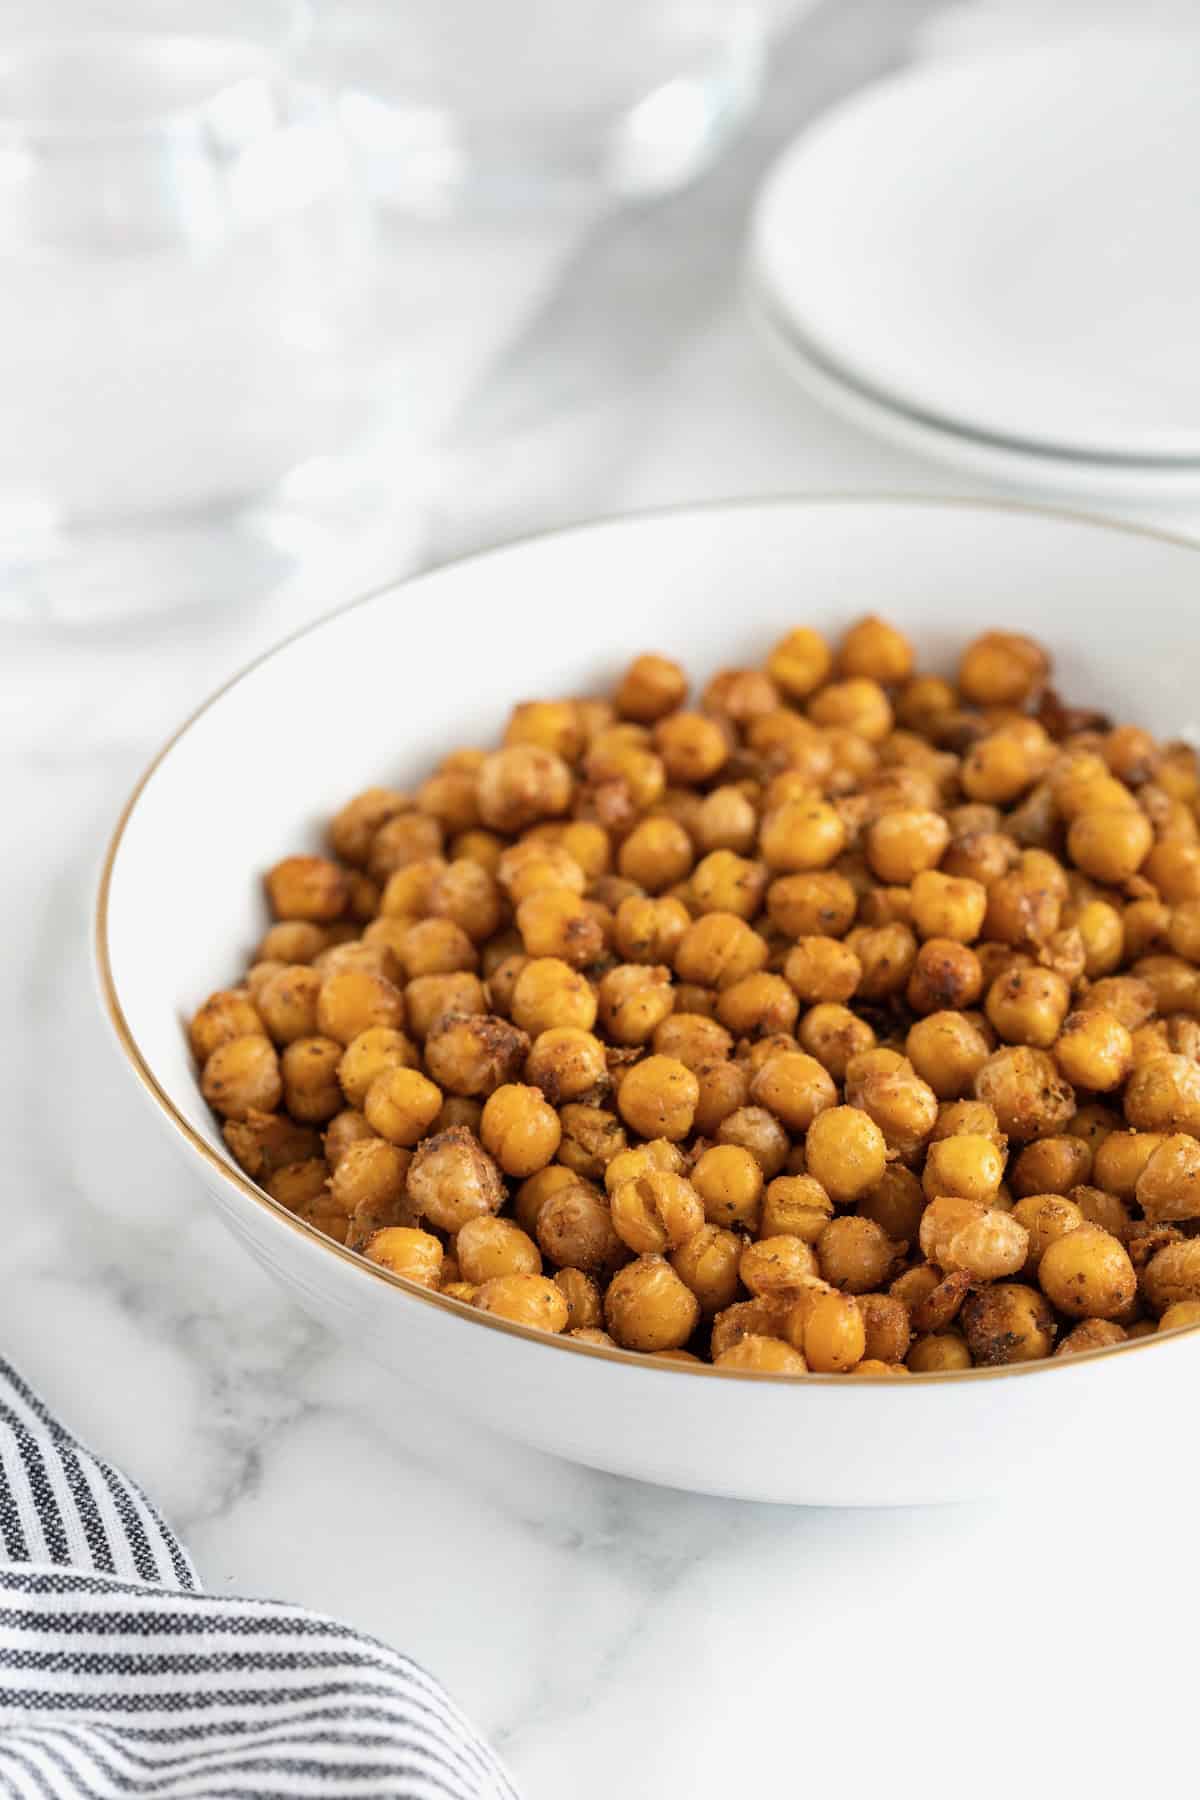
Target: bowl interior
<point>377,693</point>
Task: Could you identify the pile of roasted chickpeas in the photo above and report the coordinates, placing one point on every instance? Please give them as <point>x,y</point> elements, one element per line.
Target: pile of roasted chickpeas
<point>846,1019</point>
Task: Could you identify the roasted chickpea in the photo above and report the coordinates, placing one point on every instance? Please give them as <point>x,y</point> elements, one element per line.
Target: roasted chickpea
<point>775,1265</point>
<point>656,1211</point>
<point>1184,1315</point>
<point>946,977</point>
<point>821,969</point>
<point>549,725</point>
<point>634,999</point>
<point>759,1355</point>
<point>242,1076</point>
<point>758,1005</point>
<point>800,835</point>
<point>821,904</point>
<point>656,854</point>
<point>230,1014</point>
<point>521,784</point>
<point>855,1254</point>
<point>834,1036</point>
<point>474,1053</point>
<point>1052,1165</point>
<point>353,829</point>
<point>417,1255</point>
<point>520,1130</point>
<point>309,888</point>
<point>265,1142</point>
<point>303,1187</point>
<point>887,1330</point>
<point>1045,1217</point>
<point>657,1098</point>
<point>726,820</point>
<point>1172,1275</point>
<point>530,1300</point>
<point>585,1309</point>
<point>754,1129</point>
<point>887,955</point>
<point>1163,1094</point>
<point>1087,1274</point>
<point>966,1165</point>
<point>718,949</point>
<point>647,1306</point>
<point>1028,1006</point>
<point>1002,668</point>
<point>488,1247</point>
<point>651,687</point>
<point>939,1353</point>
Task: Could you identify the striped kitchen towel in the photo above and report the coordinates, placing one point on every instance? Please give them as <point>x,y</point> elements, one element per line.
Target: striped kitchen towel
<point>118,1676</point>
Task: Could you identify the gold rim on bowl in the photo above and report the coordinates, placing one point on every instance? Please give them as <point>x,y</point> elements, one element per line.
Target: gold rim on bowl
<point>237,1178</point>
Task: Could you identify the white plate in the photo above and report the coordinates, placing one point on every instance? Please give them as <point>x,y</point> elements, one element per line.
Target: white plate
<point>1007,244</point>
<point>1025,471</point>
<point>380,691</point>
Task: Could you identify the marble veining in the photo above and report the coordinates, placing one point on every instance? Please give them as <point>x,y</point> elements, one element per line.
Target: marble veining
<point>611,1638</point>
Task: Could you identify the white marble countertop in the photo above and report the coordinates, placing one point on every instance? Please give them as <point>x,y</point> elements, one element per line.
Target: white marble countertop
<point>610,1638</point>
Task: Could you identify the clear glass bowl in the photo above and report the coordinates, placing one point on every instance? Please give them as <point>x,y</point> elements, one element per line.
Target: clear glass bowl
<point>185,262</point>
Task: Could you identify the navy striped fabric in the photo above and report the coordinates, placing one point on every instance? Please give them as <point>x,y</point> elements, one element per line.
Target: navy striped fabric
<point>119,1677</point>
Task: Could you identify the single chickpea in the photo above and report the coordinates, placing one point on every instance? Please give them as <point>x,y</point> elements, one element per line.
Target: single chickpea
<point>896,1202</point>
<point>902,1106</point>
<point>846,1153</point>
<point>311,1092</point>
<point>309,888</point>
<point>371,1175</point>
<point>795,1206</point>
<point>820,969</point>
<point>406,893</point>
<point>521,784</point>
<point>858,705</point>
<point>591,1137</point>
<point>718,949</point>
<point>948,1051</point>
<point>478,846</point>
<point>657,1098</point>
<point>263,1142</point>
<point>550,994</point>
<point>1087,1274</point>
<point>939,1353</point>
<point>1174,869</point>
<point>230,1014</point>
<point>754,1129</point>
<point>351,1001</point>
<point>741,695</point>
<point>773,1265</point>
<point>566,1064</point>
<point>549,725</point>
<point>834,1036</point>
<point>1174,983</point>
<point>656,1211</point>
<point>530,1300</point>
<point>1126,997</point>
<point>692,1039</point>
<point>724,882</point>
<point>693,748</point>
<point>758,1005</point>
<point>535,863</point>
<point>921,702</point>
<point>948,906</point>
<point>656,854</point>
<point>801,835</point>
<point>707,1263</point>
<point>1002,668</point>
<point>795,1088</point>
<point>303,1188</point>
<point>585,1309</point>
<point>406,1251</point>
<point>520,1130</point>
<point>634,999</point>
<point>651,687</point>
<point>1052,1165</point>
<point>800,663</point>
<point>1172,1275</point>
<point>729,1181</point>
<point>452,1179</point>
<point>649,930</point>
<point>488,1247</point>
<point>726,820</point>
<point>536,1189</point>
<point>820,904</point>
<point>1028,1006</point>
<point>1030,1097</point>
<point>1094,1050</point>
<point>474,1053</point>
<point>876,650</point>
<point>556,923</point>
<point>758,1355</point>
<point>724,1088</point>
<point>1168,1188</point>
<point>887,1330</point>
<point>1164,1095</point>
<point>1092,1334</point>
<point>401,1104</point>
<point>835,1337</point>
<point>1102,932</point>
<point>406,838</point>
<point>902,845</point>
<point>1184,1315</point>
<point>887,955</point>
<point>855,1254</point>
<point>946,977</point>
<point>1110,846</point>
<point>647,1306</point>
<point>429,998</point>
<point>242,1076</point>
<point>292,941</point>
<point>575,1230</point>
<point>966,1166</point>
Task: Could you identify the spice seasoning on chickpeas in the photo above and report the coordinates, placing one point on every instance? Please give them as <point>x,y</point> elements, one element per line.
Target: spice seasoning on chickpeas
<point>843,1019</point>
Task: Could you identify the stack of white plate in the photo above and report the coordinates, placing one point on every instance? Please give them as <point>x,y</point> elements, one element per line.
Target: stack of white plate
<point>996,263</point>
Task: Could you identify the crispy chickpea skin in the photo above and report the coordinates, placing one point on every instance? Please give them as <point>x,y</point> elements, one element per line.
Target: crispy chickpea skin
<point>1087,1274</point>
<point>242,1076</point>
<point>415,1254</point>
<point>648,1307</point>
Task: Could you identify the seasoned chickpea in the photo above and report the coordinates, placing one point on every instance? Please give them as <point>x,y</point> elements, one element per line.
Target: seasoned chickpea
<point>430,998</point>
<point>303,1187</point>
<point>1030,1097</point>
<point>417,1255</point>
<point>707,1263</point>
<point>585,1309</point>
<point>718,949</point>
<point>887,1329</point>
<point>795,1206</point>
<point>726,820</point>
<point>474,1053</point>
<point>549,993</point>
<point>550,725</point>
<point>1164,1095</point>
<point>264,1142</point>
<point>1046,1217</point>
<point>801,835</point>
<point>754,1129</point>
<point>353,829</point>
<point>834,1036</point>
<point>724,1089</point>
<point>1087,1274</point>
<point>351,1001</point>
<point>488,1247</point>
<point>1094,1050</point>
<point>855,1254</point>
<point>1028,1006</point>
<point>758,1005</point>
<point>948,1051</point>
<point>967,1166</point>
<point>1110,846</point>
<point>650,930</point>
<point>794,1087</point>
<point>946,977</point>
<point>634,999</point>
<point>656,854</point>
<point>822,969</point>
<point>938,1353</point>
<point>656,1211</point>
<point>1172,1275</point>
<point>1002,668</point>
<point>230,1014</point>
<point>651,687</point>
<point>858,705</point>
<point>887,955</point>
<point>800,662</point>
<point>1168,1188</point>
<point>556,923</point>
<point>530,1300</point>
<point>520,1130</point>
<point>729,1180</point>
<point>822,904</point>
<point>1091,1334</point>
<point>657,1098</point>
<point>724,882</point>
<point>759,1355</point>
<point>693,748</point>
<point>243,1076</point>
<point>902,845</point>
<point>647,1306</point>
<point>847,1154</point>
<point>1052,1165</point>
<point>1184,1315</point>
<point>521,784</point>
<point>692,1039</point>
<point>896,1202</point>
<point>401,1104</point>
<point>774,1265</point>
<point>575,1230</point>
<point>309,888</point>
<point>566,1064</point>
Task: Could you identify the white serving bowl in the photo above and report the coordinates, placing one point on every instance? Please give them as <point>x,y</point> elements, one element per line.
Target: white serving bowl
<point>379,691</point>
